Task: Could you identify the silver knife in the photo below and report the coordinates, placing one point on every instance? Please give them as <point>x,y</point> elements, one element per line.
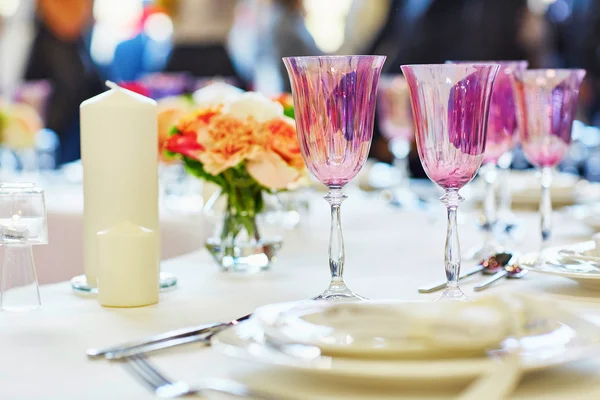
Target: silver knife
<point>498,275</point>
<point>137,347</point>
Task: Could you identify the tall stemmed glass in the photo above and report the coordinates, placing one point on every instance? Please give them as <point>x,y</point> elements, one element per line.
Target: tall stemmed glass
<point>396,125</point>
<point>450,104</point>
<point>334,105</point>
<point>547,102</point>
<point>501,129</point>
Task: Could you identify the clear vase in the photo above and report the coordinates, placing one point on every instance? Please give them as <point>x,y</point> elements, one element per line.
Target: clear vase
<point>242,241</point>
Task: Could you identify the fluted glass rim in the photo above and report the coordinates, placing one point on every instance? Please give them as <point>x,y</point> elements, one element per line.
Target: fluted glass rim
<point>500,62</point>
<point>449,65</point>
<point>333,57</point>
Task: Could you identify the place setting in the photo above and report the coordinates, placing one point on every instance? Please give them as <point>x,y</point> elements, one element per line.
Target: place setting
<point>457,339</point>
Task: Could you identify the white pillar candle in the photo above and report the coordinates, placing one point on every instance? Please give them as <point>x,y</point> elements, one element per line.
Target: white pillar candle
<point>127,266</point>
<point>119,142</point>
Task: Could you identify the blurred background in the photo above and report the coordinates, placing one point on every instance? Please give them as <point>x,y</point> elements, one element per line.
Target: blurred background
<point>56,53</point>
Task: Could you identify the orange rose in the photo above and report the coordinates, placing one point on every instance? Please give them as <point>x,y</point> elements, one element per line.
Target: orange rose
<point>195,121</point>
<point>227,142</point>
<point>284,141</point>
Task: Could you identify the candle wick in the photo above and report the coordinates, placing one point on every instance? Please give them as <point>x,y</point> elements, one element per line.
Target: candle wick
<point>112,85</point>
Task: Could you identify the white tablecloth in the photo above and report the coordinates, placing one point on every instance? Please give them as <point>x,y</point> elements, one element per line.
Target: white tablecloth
<point>389,254</point>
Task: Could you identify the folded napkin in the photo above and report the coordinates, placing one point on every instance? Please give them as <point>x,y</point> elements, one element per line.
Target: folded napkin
<point>410,329</point>
<point>525,187</point>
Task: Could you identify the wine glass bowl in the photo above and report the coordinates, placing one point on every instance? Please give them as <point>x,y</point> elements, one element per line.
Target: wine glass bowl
<point>334,106</point>
<point>450,105</point>
<point>502,121</point>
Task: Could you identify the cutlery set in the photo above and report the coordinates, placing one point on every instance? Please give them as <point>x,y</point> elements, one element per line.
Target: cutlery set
<point>500,265</point>
<point>133,355</point>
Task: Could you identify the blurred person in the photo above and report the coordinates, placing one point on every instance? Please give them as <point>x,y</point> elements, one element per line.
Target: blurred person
<point>265,31</point>
<point>434,31</point>
<point>365,21</point>
<point>201,28</point>
<point>59,55</point>
<point>16,37</point>
<point>576,40</point>
<point>141,54</point>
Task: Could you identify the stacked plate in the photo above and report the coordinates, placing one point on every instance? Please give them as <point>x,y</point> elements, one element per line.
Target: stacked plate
<point>579,262</point>
<point>442,341</point>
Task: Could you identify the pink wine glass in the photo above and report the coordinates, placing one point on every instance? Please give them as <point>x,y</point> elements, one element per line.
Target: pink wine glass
<point>334,104</point>
<point>547,102</point>
<point>501,130</point>
<point>450,104</point>
<point>396,125</point>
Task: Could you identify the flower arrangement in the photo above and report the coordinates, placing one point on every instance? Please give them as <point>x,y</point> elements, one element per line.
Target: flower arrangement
<point>286,100</point>
<point>245,145</point>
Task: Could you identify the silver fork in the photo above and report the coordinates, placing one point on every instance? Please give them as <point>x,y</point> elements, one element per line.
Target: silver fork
<point>166,389</point>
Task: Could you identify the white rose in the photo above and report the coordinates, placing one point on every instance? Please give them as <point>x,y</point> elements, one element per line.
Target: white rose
<point>215,94</point>
<point>255,105</point>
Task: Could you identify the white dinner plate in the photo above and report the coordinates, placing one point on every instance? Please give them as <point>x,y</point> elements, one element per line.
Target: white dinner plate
<point>574,339</point>
<point>587,275</point>
<point>401,330</point>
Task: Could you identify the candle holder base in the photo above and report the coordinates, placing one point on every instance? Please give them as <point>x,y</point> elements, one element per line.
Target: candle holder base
<point>79,283</point>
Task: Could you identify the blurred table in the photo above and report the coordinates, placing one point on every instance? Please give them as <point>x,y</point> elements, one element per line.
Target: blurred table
<point>388,253</point>
<point>62,258</point>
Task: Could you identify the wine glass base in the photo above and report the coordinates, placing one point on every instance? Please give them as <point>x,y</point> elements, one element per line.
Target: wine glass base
<point>453,294</point>
<point>339,293</point>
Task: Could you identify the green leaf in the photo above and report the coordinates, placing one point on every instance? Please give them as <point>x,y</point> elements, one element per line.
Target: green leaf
<point>289,112</point>
<point>174,131</point>
<point>195,168</point>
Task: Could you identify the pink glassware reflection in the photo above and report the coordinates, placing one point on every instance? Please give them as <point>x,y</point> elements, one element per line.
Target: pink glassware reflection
<point>396,125</point>
<point>502,122</point>
<point>501,131</point>
<point>393,108</point>
<point>334,105</point>
<point>450,105</point>
<point>547,103</point>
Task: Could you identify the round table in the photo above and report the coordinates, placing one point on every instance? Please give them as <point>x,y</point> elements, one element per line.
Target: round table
<point>389,253</point>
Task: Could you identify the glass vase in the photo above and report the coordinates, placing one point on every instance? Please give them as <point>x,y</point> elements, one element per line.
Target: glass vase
<point>243,241</point>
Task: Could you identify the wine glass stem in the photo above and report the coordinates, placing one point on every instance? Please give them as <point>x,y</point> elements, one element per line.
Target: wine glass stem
<point>335,197</point>
<point>400,149</point>
<point>451,200</point>
<point>546,207</point>
<point>505,193</point>
<point>489,206</point>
